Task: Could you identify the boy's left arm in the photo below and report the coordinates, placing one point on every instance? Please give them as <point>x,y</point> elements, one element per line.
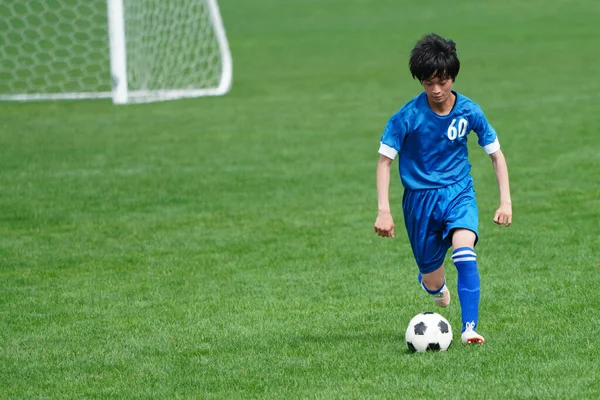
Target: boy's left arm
<point>503,215</point>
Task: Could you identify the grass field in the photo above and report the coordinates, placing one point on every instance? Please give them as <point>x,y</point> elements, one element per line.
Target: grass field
<point>222,248</point>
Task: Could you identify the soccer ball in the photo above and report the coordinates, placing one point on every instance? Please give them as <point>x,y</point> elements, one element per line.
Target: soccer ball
<point>428,331</point>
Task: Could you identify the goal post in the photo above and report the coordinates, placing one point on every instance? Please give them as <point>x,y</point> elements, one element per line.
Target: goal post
<point>118,51</point>
<point>129,50</point>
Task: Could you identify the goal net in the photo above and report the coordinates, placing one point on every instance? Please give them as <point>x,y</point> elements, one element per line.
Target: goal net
<point>127,50</point>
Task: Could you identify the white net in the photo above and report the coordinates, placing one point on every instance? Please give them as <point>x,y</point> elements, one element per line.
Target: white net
<point>52,49</point>
<point>53,46</point>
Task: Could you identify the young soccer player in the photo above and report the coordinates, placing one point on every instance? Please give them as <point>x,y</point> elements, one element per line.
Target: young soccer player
<point>430,135</point>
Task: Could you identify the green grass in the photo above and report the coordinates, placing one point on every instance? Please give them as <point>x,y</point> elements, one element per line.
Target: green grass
<point>222,248</point>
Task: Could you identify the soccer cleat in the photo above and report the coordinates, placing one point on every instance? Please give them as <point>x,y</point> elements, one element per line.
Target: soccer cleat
<point>442,298</point>
<point>469,336</point>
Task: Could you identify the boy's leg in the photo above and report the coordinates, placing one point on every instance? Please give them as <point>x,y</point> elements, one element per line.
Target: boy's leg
<point>461,221</point>
<point>465,260</point>
<point>434,283</point>
<point>424,225</point>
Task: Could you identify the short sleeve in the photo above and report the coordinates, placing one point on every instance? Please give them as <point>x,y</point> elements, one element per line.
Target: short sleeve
<point>486,134</point>
<point>393,137</point>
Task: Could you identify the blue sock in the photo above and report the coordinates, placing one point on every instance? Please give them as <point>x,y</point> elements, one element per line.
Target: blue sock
<point>429,290</point>
<point>465,261</point>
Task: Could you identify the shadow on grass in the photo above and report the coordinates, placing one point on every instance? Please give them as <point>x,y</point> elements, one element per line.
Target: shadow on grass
<point>383,338</point>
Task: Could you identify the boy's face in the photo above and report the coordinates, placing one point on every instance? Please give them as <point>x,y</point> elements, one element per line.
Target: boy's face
<point>438,90</point>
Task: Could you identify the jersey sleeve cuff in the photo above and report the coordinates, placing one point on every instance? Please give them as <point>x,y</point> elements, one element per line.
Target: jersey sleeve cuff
<point>492,147</point>
<point>387,151</point>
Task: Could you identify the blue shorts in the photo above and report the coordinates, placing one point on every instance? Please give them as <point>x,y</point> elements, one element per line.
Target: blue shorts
<point>431,215</point>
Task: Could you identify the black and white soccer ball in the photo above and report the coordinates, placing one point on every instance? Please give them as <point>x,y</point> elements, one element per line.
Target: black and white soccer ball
<point>428,331</point>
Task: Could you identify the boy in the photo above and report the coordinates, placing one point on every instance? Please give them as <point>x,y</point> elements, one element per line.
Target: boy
<point>430,135</point>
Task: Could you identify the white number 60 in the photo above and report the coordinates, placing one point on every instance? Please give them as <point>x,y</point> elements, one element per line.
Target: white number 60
<point>460,131</point>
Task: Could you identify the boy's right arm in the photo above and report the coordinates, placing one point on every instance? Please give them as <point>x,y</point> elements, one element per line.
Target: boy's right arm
<point>384,225</point>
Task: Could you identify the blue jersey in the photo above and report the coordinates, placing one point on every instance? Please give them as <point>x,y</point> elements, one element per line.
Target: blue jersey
<point>433,148</point>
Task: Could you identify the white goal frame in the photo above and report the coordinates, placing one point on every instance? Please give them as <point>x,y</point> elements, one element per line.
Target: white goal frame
<point>121,93</point>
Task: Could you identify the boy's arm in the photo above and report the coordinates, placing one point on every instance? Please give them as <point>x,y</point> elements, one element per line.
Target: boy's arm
<point>503,215</point>
<point>384,225</point>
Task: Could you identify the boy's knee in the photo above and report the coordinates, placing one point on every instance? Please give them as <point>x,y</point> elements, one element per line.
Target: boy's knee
<point>433,281</point>
<point>463,238</point>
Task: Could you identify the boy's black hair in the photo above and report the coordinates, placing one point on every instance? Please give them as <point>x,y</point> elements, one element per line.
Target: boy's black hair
<point>434,56</point>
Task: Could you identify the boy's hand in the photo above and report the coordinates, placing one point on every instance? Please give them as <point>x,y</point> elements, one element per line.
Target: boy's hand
<point>503,215</point>
<point>384,225</point>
